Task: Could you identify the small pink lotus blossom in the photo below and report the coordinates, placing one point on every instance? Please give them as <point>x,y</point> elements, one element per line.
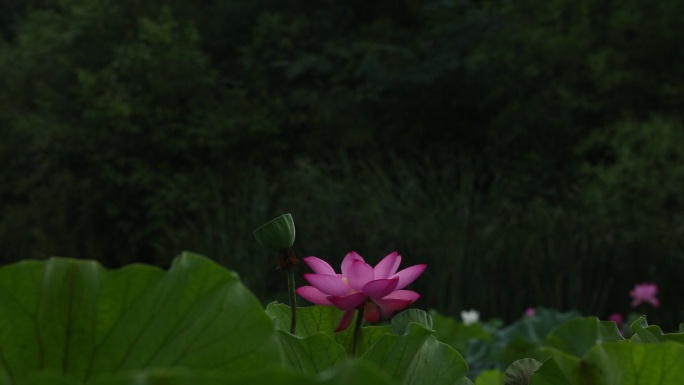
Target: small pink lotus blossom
<point>377,289</point>
<point>529,312</point>
<point>617,318</point>
<point>645,292</point>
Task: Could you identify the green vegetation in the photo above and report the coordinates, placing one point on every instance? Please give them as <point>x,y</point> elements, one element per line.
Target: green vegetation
<point>531,153</point>
<point>74,322</point>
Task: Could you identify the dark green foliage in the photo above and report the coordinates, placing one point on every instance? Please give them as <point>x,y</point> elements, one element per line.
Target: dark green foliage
<point>520,372</point>
<point>529,152</point>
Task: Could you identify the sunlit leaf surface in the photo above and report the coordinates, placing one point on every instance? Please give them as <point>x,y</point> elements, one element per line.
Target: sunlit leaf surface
<point>78,320</point>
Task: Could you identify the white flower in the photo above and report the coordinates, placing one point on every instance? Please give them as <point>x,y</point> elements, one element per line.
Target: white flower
<point>470,316</point>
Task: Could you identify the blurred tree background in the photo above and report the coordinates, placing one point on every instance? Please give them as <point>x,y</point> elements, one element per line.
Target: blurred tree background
<point>532,153</point>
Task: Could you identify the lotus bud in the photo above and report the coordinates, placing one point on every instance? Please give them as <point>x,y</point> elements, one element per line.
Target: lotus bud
<point>278,234</point>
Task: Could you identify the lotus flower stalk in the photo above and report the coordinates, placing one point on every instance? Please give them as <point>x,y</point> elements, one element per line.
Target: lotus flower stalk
<point>278,235</point>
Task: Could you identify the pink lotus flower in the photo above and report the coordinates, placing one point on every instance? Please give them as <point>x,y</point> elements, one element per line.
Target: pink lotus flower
<point>360,286</point>
<point>617,318</point>
<point>645,292</point>
<point>529,312</point>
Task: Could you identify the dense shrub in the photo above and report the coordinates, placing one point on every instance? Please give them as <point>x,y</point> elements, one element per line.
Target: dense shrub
<point>530,152</point>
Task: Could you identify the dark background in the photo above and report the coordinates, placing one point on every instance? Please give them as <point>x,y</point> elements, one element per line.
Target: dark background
<point>532,153</point>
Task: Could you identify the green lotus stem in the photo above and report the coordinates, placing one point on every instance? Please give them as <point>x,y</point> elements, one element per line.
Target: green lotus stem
<point>357,330</point>
<point>278,235</point>
<point>293,300</point>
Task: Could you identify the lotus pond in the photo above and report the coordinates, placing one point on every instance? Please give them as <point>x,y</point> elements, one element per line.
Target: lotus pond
<point>67,321</point>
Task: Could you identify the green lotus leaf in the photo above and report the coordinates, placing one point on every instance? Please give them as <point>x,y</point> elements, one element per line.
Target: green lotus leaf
<point>357,373</point>
<point>578,335</point>
<point>401,321</point>
<point>490,377</point>
<point>550,372</point>
<point>457,334</point>
<point>616,363</point>
<point>324,319</point>
<point>76,319</point>
<point>44,379</point>
<point>369,336</point>
<point>535,329</point>
<point>413,358</point>
<point>474,341</point>
<point>637,364</point>
<point>520,371</point>
<point>525,337</point>
<point>313,354</point>
<point>352,373</point>
<point>643,332</point>
<point>417,358</point>
<point>310,319</point>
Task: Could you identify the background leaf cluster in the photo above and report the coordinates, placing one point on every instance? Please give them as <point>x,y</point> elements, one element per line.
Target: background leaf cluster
<point>67,321</point>
<point>71,321</point>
